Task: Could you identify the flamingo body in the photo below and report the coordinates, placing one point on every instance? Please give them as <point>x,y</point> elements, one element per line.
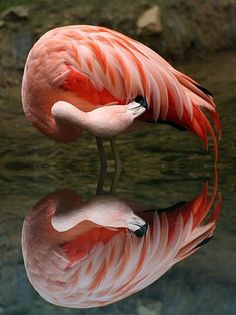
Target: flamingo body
<point>91,67</point>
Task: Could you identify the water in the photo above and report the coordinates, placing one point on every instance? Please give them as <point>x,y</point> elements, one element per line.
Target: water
<point>161,166</point>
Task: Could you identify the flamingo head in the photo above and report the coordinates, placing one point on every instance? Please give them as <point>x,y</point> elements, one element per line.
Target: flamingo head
<point>105,121</point>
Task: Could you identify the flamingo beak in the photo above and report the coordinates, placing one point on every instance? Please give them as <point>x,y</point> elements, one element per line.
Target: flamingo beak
<point>138,106</point>
<point>142,101</point>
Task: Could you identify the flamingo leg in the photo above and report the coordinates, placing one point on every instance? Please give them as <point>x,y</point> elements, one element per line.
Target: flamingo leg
<point>117,165</point>
<point>103,166</point>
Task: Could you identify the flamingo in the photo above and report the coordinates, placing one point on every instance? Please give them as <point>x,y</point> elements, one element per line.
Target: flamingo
<point>91,78</point>
<point>82,254</point>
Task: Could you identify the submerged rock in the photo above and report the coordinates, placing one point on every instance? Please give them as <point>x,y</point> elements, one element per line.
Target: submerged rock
<point>150,308</point>
<point>150,21</point>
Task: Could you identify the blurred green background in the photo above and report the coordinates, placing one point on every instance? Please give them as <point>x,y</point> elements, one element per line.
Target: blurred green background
<point>161,165</point>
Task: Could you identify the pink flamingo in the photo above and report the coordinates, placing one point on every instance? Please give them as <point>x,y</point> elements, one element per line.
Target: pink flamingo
<point>92,78</point>
<point>80,254</point>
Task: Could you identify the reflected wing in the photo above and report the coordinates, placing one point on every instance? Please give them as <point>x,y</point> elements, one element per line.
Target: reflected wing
<point>126,264</point>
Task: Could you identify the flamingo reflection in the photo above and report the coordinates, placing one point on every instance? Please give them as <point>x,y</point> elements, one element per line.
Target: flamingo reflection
<point>82,254</point>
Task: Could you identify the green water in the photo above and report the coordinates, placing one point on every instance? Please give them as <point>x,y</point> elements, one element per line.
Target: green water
<point>161,166</point>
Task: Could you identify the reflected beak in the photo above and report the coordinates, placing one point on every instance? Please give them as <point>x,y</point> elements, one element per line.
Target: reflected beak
<point>141,231</point>
<point>137,225</point>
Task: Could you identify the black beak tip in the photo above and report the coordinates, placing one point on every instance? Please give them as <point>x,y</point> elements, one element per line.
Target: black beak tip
<point>141,231</point>
<point>142,101</point>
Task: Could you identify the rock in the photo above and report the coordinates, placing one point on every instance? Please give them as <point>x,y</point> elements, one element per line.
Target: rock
<point>150,21</point>
<point>1,23</point>
<point>151,308</point>
<point>15,13</point>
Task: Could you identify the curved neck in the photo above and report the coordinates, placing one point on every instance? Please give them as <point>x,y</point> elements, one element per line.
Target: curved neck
<point>69,121</point>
